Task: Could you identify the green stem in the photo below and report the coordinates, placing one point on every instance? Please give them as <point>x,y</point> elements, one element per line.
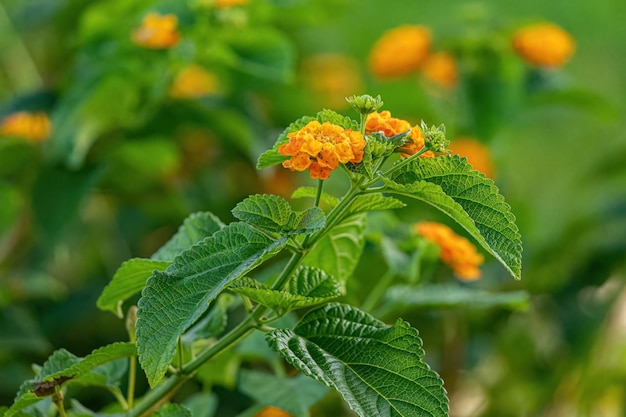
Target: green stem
<point>57,398</point>
<point>132,375</point>
<point>400,164</point>
<point>119,397</point>
<point>318,195</point>
<point>378,291</point>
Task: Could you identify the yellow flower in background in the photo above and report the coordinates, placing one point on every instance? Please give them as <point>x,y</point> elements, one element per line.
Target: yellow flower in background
<point>400,51</point>
<point>333,77</point>
<point>391,126</point>
<point>272,411</point>
<point>455,251</point>
<point>222,4</point>
<point>321,147</point>
<point>477,154</point>
<point>544,44</point>
<point>440,68</point>
<point>33,127</point>
<point>193,82</point>
<point>157,31</point>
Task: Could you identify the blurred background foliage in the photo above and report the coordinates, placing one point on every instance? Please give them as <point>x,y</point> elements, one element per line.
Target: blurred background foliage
<point>133,149</point>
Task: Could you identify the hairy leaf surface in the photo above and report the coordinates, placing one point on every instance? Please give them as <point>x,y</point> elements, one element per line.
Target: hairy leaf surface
<point>172,301</point>
<point>128,280</point>
<point>310,286</point>
<point>371,202</point>
<point>450,184</point>
<point>378,369</point>
<point>195,228</point>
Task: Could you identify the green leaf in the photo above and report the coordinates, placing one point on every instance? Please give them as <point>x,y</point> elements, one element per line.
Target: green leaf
<point>195,228</point>
<point>202,404</point>
<point>128,280</point>
<point>274,214</point>
<point>295,395</point>
<point>405,297</point>
<point>62,367</point>
<point>311,192</point>
<point>338,252</point>
<point>450,184</point>
<point>378,369</point>
<point>371,202</point>
<point>174,300</point>
<point>173,410</point>
<point>329,116</point>
<point>310,286</point>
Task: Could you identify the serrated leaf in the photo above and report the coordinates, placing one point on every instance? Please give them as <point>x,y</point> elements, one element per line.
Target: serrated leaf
<point>174,300</point>
<point>266,211</point>
<point>271,157</point>
<point>309,221</point>
<point>402,297</point>
<point>296,395</point>
<point>371,202</point>
<point>378,369</point>
<point>311,192</point>
<point>195,228</point>
<point>309,286</point>
<point>173,410</point>
<point>329,116</point>
<point>450,184</point>
<point>128,280</point>
<point>61,367</point>
<point>338,252</point>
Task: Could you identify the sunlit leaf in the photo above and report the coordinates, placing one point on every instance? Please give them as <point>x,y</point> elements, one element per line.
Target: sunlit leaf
<point>378,369</point>
<point>450,184</point>
<point>370,202</point>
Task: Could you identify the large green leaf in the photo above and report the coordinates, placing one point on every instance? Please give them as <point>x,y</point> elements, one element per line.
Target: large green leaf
<point>450,184</point>
<point>378,369</point>
<point>405,297</point>
<point>295,395</point>
<point>128,280</point>
<point>310,286</point>
<point>370,202</point>
<point>338,252</point>
<point>195,228</point>
<point>62,367</point>
<point>174,300</point>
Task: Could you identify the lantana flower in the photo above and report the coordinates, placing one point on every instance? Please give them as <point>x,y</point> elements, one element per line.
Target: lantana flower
<point>544,44</point>
<point>271,411</point>
<point>33,127</point>
<point>477,154</point>
<point>440,68</point>
<point>321,147</point>
<point>391,126</point>
<point>455,251</point>
<point>332,77</point>
<point>157,31</point>
<point>222,4</point>
<point>400,51</point>
<point>193,82</point>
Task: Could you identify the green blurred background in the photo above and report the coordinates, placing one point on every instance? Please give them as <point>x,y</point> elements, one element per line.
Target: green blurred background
<point>126,162</point>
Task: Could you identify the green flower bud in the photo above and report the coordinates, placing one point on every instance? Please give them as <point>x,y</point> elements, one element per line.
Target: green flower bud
<point>435,137</point>
<point>365,104</point>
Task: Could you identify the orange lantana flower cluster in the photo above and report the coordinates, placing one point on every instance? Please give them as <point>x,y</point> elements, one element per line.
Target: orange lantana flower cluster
<point>391,126</point>
<point>157,31</point>
<point>33,127</point>
<point>321,147</point>
<point>456,251</point>
<point>407,49</point>
<point>543,44</point>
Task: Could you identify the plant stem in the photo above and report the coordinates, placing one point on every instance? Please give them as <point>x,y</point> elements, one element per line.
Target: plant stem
<point>57,398</point>
<point>318,195</point>
<point>378,291</point>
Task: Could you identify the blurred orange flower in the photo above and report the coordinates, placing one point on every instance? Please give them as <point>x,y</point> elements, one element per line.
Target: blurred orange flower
<point>33,127</point>
<point>272,411</point>
<point>193,82</point>
<point>477,154</point>
<point>320,148</point>
<point>229,3</point>
<point>333,77</point>
<point>391,126</point>
<point>400,51</point>
<point>543,44</point>
<point>455,251</point>
<point>440,68</point>
<point>157,31</point>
